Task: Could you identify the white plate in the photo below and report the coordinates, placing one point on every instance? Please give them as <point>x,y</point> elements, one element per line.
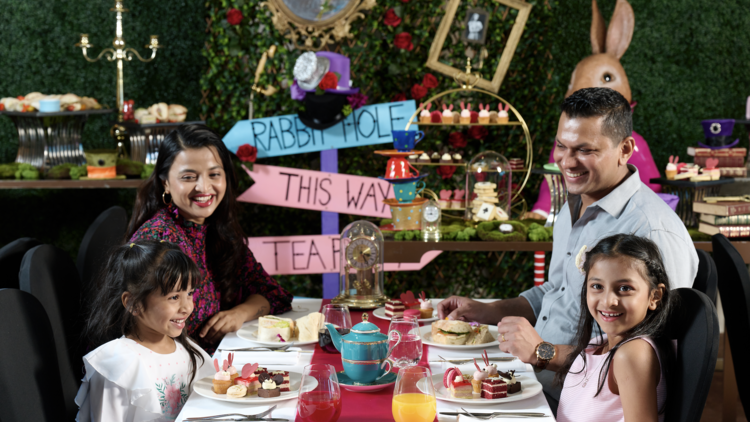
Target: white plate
<point>529,388</point>
<point>250,332</point>
<point>204,387</point>
<point>380,313</point>
<point>426,334</point>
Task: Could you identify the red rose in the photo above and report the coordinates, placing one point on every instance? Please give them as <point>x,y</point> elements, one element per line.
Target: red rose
<point>234,17</point>
<point>478,132</point>
<point>446,171</point>
<point>247,153</point>
<point>398,97</point>
<point>429,81</point>
<point>474,117</point>
<point>329,81</point>
<point>457,140</point>
<point>418,91</point>
<point>403,41</point>
<point>391,19</point>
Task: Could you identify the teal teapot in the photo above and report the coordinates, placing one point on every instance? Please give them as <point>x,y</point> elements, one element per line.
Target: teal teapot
<point>364,351</point>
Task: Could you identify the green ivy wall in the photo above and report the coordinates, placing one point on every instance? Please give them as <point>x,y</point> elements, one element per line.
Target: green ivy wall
<point>687,62</point>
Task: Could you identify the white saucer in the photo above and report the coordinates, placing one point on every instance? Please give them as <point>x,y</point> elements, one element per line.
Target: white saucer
<point>204,387</point>
<point>426,334</point>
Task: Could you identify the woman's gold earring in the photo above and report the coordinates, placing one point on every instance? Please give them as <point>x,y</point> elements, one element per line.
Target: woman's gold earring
<point>164,199</point>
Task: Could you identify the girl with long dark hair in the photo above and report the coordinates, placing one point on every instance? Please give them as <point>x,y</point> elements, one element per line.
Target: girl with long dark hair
<point>621,372</point>
<point>145,363</point>
<point>190,200</point>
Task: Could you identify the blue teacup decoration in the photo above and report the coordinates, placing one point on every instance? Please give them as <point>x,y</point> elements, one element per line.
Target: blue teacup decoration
<point>406,192</point>
<point>405,140</point>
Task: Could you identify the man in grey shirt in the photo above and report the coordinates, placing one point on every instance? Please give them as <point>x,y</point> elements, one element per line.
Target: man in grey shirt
<point>605,197</point>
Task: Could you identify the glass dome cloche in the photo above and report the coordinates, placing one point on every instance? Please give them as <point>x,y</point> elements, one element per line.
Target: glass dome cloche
<point>488,187</point>
<point>361,266</point>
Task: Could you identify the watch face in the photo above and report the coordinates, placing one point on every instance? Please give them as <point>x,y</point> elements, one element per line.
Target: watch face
<point>546,351</point>
<point>431,213</point>
<point>362,253</point>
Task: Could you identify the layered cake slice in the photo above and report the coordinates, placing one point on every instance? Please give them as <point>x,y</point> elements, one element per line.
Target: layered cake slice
<point>285,384</point>
<point>458,384</point>
<point>509,377</point>
<point>394,308</point>
<point>494,388</point>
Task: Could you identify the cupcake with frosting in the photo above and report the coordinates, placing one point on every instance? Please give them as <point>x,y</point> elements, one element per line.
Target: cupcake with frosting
<point>477,379</point>
<point>424,158</point>
<point>447,114</point>
<point>465,117</point>
<point>425,307</point>
<point>445,198</point>
<point>446,159</point>
<point>484,114</point>
<point>435,157</point>
<point>424,115</point>
<point>502,113</point>
<point>232,370</point>
<point>222,380</point>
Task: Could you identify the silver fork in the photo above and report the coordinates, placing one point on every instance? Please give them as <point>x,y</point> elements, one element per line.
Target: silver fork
<point>505,415</point>
<point>258,416</point>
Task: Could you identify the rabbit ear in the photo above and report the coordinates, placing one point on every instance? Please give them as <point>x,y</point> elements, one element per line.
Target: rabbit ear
<point>598,29</point>
<point>445,107</point>
<point>507,107</point>
<point>226,365</point>
<point>231,358</point>
<point>216,364</point>
<point>620,31</point>
<point>671,159</point>
<point>463,107</point>
<point>469,106</point>
<point>428,106</point>
<point>451,107</point>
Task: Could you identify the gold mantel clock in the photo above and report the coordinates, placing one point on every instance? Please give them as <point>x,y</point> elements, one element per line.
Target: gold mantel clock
<point>361,270</point>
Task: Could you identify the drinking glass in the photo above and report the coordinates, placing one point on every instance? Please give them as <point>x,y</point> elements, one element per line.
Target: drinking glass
<point>409,351</point>
<point>339,316</point>
<point>319,394</point>
<point>414,395</point>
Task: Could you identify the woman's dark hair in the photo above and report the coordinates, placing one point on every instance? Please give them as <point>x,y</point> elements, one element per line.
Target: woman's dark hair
<point>140,269</point>
<point>648,260</point>
<point>225,241</point>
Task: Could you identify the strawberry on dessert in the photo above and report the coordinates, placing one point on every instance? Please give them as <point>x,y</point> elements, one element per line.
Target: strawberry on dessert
<point>249,379</point>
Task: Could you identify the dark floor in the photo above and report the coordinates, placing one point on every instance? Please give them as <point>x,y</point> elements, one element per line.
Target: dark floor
<point>712,412</point>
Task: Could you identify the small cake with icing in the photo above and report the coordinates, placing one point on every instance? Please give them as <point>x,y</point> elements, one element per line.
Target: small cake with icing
<point>458,384</point>
<point>284,383</point>
<point>394,308</point>
<point>222,380</point>
<point>494,388</point>
<point>269,387</point>
<point>446,159</point>
<point>484,114</point>
<point>490,368</point>
<point>248,379</point>
<point>447,114</point>
<point>425,306</point>
<point>435,157</point>
<point>436,116</point>
<point>477,379</point>
<point>413,158</point>
<point>425,115</point>
<point>409,301</point>
<point>465,117</point>
<point>502,113</point>
<point>232,370</point>
<point>424,158</point>
<point>509,377</point>
<point>236,392</point>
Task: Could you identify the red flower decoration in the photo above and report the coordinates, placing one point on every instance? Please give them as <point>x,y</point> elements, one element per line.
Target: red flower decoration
<point>457,140</point>
<point>446,171</point>
<point>429,81</point>
<point>398,97</point>
<point>418,91</point>
<point>478,132</point>
<point>234,17</point>
<point>329,81</point>
<point>391,19</point>
<point>474,117</point>
<point>247,153</point>
<point>403,41</point>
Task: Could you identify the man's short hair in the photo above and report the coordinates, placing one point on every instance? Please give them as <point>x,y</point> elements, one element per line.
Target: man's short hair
<point>597,102</point>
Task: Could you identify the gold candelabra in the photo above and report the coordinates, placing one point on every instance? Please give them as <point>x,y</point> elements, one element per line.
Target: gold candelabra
<point>119,53</point>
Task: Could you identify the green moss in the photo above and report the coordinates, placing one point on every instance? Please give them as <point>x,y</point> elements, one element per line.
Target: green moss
<point>26,172</point>
<point>61,171</point>
<point>489,230</point>
<point>129,168</point>
<point>78,172</point>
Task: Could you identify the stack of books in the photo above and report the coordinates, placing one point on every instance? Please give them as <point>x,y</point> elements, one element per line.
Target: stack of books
<point>732,219</point>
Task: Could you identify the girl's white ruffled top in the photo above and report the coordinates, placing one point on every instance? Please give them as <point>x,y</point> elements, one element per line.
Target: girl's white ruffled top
<point>128,382</point>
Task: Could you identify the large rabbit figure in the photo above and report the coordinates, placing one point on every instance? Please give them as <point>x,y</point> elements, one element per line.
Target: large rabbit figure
<point>603,69</point>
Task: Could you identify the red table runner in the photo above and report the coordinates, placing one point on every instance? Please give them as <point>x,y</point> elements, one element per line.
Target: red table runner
<point>363,406</point>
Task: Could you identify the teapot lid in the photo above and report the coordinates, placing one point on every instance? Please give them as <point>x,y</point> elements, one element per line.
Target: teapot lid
<point>365,327</point>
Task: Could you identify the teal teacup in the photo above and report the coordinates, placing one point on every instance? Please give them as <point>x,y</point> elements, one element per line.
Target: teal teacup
<point>406,192</point>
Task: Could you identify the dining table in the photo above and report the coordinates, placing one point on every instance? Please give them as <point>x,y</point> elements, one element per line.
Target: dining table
<point>357,406</point>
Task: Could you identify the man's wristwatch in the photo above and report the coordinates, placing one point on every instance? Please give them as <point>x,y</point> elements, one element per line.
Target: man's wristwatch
<point>545,352</point>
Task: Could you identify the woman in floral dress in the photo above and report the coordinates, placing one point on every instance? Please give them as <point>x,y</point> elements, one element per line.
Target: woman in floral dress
<point>190,200</point>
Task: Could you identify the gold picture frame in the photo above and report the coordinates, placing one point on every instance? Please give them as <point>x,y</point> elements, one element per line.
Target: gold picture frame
<point>316,33</point>
<point>510,47</point>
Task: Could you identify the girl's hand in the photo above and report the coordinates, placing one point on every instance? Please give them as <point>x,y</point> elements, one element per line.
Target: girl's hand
<point>221,323</point>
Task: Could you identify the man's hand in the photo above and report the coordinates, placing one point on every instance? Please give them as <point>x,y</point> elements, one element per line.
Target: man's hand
<point>465,309</point>
<point>519,338</point>
<point>221,323</point>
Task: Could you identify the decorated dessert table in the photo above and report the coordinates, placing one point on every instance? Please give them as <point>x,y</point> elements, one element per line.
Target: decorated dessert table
<point>360,406</point>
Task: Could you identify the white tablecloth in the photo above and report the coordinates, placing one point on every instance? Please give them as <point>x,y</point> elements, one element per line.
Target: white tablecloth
<point>201,406</point>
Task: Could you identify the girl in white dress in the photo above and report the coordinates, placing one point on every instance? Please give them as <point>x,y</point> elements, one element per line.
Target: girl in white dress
<point>145,363</point>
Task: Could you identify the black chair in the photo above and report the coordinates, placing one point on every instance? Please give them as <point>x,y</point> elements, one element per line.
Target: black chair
<point>734,285</point>
<point>706,281</point>
<point>10,260</point>
<point>695,326</point>
<point>30,388</point>
<point>102,235</point>
<point>50,275</point>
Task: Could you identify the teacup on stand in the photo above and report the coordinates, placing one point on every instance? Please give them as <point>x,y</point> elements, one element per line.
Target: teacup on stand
<point>400,168</point>
<point>406,192</point>
<point>405,140</point>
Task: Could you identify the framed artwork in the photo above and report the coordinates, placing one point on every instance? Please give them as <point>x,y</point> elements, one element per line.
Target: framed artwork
<point>475,32</point>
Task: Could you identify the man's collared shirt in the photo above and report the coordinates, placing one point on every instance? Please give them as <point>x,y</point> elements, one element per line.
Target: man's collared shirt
<point>630,208</point>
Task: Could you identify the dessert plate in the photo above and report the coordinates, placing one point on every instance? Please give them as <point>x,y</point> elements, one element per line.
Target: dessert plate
<point>250,332</point>
<point>347,384</point>
<point>426,334</point>
<point>380,313</point>
<point>204,387</point>
<point>530,387</point>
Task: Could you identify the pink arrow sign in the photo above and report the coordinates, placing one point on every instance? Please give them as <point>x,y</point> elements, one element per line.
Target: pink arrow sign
<point>318,191</point>
<point>313,254</point>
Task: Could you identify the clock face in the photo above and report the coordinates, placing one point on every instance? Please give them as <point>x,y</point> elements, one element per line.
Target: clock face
<point>431,213</point>
<point>362,253</point>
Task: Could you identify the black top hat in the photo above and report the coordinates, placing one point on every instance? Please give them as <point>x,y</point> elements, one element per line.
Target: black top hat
<point>323,111</point>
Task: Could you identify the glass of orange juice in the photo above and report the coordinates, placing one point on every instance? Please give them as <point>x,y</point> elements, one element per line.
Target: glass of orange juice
<point>414,395</point>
